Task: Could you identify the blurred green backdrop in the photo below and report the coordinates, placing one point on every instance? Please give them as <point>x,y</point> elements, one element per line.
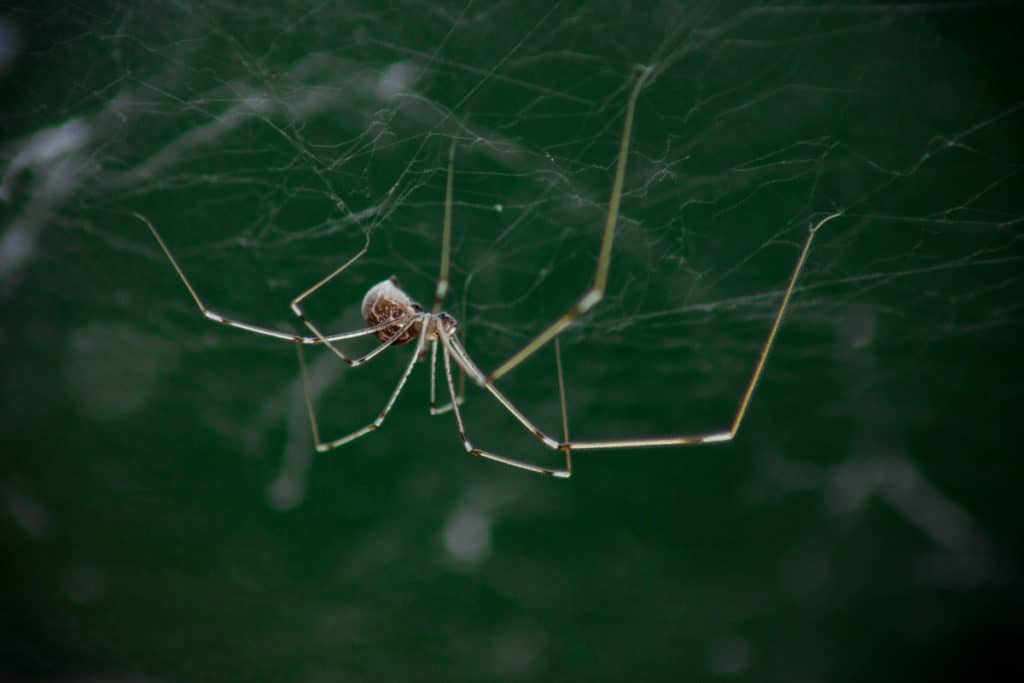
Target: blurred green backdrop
<point>162,514</point>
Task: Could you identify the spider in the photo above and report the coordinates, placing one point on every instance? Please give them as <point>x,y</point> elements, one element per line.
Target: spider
<point>397,320</point>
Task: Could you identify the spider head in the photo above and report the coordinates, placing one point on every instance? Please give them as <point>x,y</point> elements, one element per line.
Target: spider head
<point>448,323</point>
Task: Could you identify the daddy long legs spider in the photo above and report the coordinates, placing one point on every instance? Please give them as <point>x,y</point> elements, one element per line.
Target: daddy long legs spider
<point>397,320</point>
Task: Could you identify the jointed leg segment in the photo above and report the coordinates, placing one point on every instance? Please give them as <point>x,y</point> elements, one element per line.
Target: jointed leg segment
<point>564,473</point>
<point>322,447</point>
<point>446,234</point>
<point>741,411</point>
<point>256,329</point>
<point>434,408</point>
<point>592,296</point>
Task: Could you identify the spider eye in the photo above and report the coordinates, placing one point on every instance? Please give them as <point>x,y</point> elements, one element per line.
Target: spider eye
<point>394,280</point>
<point>448,322</point>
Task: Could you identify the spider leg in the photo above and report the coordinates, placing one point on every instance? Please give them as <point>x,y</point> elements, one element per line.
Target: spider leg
<point>442,289</point>
<point>405,323</point>
<point>461,395</point>
<point>446,235</point>
<point>255,329</point>
<point>595,293</point>
<point>319,336</point>
<point>321,446</point>
<point>453,348</point>
<point>472,450</point>
<point>730,433</point>
<point>434,408</point>
<point>562,402</point>
<point>462,359</point>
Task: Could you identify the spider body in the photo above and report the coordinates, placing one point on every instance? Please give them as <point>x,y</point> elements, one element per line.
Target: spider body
<point>386,303</point>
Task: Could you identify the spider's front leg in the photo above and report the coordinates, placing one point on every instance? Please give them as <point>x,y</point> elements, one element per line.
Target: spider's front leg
<point>595,293</point>
<point>248,327</point>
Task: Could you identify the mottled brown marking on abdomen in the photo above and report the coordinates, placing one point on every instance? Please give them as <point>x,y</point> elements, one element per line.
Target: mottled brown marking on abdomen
<point>386,302</point>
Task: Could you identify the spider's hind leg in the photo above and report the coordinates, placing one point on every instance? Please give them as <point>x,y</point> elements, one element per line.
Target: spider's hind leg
<point>451,348</point>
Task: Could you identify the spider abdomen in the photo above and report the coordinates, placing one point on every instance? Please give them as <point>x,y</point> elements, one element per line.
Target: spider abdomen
<point>385,302</point>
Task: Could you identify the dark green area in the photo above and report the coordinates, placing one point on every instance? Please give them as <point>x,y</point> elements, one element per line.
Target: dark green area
<point>163,517</point>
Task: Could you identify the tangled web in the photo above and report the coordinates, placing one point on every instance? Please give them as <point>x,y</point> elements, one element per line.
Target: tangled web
<point>267,145</point>
<point>268,142</point>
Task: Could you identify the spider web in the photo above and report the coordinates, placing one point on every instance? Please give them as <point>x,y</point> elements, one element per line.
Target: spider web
<point>268,144</point>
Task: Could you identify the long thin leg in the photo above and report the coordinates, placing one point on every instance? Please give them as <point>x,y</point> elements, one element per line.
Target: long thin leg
<point>446,235</point>
<point>565,413</point>
<point>472,450</point>
<point>730,433</point>
<point>388,343</point>
<point>256,329</point>
<point>595,293</point>
<point>319,336</point>
<point>463,332</point>
<point>434,408</point>
<point>322,447</point>
<point>453,347</point>
<point>461,396</point>
<point>442,289</point>
<point>433,372</point>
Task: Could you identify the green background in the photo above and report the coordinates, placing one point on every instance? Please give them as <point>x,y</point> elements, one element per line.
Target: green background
<point>162,515</point>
